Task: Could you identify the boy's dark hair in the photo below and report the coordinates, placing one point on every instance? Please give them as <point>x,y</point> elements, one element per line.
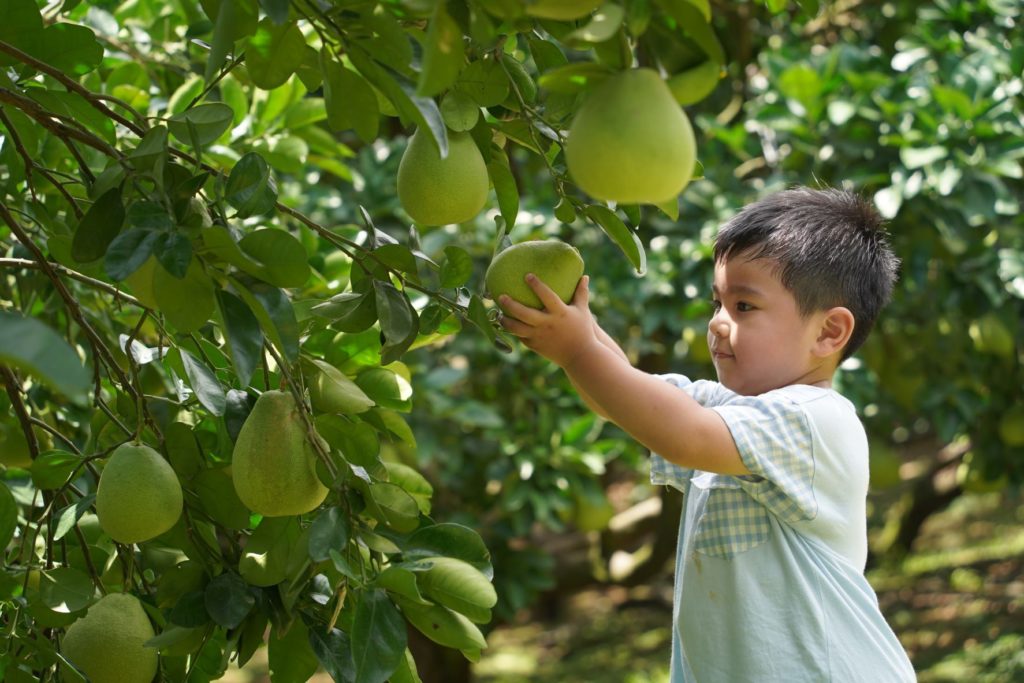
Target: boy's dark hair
<point>831,248</point>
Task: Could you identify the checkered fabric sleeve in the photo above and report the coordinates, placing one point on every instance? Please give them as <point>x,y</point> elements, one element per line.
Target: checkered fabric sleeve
<point>705,393</point>
<point>775,442</point>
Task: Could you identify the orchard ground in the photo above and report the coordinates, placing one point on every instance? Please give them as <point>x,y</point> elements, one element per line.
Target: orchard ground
<point>957,603</point>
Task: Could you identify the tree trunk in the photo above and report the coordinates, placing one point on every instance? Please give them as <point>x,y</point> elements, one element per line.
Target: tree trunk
<point>436,663</point>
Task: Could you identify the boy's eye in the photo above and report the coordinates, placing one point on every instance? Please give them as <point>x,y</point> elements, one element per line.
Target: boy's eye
<point>716,304</point>
<point>743,307</point>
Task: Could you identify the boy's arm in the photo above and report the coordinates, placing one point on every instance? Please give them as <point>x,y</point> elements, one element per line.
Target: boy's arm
<point>658,415</point>
<point>602,337</point>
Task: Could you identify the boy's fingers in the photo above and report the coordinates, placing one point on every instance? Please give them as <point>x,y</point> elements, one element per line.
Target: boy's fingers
<point>546,295</point>
<point>518,310</point>
<point>514,326</point>
<point>582,296</point>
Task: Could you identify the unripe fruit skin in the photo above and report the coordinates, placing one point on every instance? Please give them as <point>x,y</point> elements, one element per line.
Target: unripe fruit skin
<point>14,451</point>
<point>630,142</point>
<point>562,10</point>
<point>107,643</point>
<point>138,496</point>
<point>436,191</point>
<point>274,465</point>
<point>557,264</point>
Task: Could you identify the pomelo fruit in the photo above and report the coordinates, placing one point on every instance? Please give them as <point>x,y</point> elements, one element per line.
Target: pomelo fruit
<point>138,496</point>
<point>14,451</point>
<point>561,10</point>
<point>436,191</point>
<point>274,465</point>
<point>107,643</point>
<point>557,264</point>
<point>631,142</point>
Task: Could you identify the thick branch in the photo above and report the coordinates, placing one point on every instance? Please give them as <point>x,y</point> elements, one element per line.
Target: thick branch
<point>14,393</point>
<point>74,275</point>
<point>73,86</point>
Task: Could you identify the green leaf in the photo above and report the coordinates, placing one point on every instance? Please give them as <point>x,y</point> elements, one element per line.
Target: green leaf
<point>460,586</point>
<point>228,599</point>
<point>174,252</point>
<point>66,590</point>
<point>329,532</point>
<point>378,637</point>
<point>182,450</point>
<point>350,101</point>
<point>69,516</point>
<point>398,320</point>
<point>207,121</point>
<point>283,257</point>
<point>386,387</point>
<point>151,151</point>
<point>8,515</point>
<point>128,252</point>
<point>620,234</point>
<point>349,311</point>
<point>274,53</point>
<point>574,78</point>
<point>70,47</point>
<point>803,84</point>
<point>457,267</point>
<point>505,187</point>
<point>477,314</point>
<point>694,21</point>
<point>29,345</point>
<point>459,110</point>
<point>204,383</point>
<point>392,505</point>
<point>251,188</point>
<point>443,54</point>
<point>290,655</point>
<point>602,26</point>
<point>484,81</point>
<point>219,500</point>
<point>189,302</point>
<point>98,227</point>
<point>334,651</point>
<point>245,339</point>
<point>273,309</point>
<point>357,441</point>
<point>421,111</point>
<point>450,540</point>
<point>918,157</point>
<point>412,482</point>
<point>277,10</point>
<point>190,610</point>
<point>51,469</point>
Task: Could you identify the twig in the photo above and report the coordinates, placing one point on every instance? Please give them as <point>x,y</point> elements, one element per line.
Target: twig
<point>14,393</point>
<point>73,86</point>
<point>74,275</point>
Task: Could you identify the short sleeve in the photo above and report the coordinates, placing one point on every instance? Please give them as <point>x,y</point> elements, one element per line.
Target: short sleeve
<point>774,439</point>
<point>703,392</point>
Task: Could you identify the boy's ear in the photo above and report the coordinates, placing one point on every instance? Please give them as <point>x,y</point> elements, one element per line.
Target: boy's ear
<point>836,329</point>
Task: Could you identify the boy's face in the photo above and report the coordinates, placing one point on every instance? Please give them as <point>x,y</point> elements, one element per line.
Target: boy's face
<point>758,339</point>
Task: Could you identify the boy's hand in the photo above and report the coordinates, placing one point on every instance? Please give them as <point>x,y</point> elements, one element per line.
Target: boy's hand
<point>559,332</point>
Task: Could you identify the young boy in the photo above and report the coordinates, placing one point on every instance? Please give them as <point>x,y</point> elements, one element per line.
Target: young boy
<point>773,463</point>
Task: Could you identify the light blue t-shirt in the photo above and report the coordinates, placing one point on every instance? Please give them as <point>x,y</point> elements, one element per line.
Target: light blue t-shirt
<point>770,580</point>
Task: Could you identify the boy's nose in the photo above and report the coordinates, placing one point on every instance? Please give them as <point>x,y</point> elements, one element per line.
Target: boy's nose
<point>718,326</point>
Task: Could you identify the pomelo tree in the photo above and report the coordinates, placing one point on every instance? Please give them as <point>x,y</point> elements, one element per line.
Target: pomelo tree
<point>183,234</point>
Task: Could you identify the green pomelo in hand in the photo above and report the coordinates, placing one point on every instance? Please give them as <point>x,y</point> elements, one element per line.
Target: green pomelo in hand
<point>274,464</point>
<point>561,10</point>
<point>630,142</point>
<point>557,264</point>
<point>107,643</point>
<point>436,191</point>
<point>138,497</point>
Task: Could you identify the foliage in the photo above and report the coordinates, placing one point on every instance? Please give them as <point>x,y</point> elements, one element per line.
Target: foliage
<point>176,246</point>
